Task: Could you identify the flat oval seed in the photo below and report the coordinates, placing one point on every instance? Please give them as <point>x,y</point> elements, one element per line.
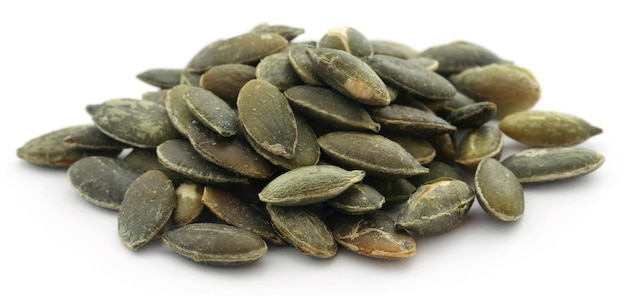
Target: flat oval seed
<point>331,108</point>
<point>376,154</point>
<point>411,78</point>
<point>277,70</point>
<point>347,39</point>
<point>232,153</point>
<point>483,142</point>
<point>400,119</point>
<point>102,180</point>
<point>146,209</point>
<point>189,78</point>
<point>304,230</point>
<point>350,76</point>
<point>139,123</point>
<point>510,87</point>
<point>216,244</point>
<point>234,211</point>
<point>177,109</point>
<point>287,32</point>
<point>245,48</point>
<point>373,235</point>
<point>90,137</point>
<point>457,56</point>
<point>226,80</point>
<point>212,111</point>
<point>179,156</point>
<point>51,150</point>
<point>163,78</point>
<point>472,115</point>
<point>155,96</point>
<point>437,170</point>
<point>420,148</point>
<point>547,128</point>
<point>358,199</point>
<point>301,63</point>
<point>551,164</point>
<point>257,101</point>
<point>498,191</point>
<point>392,48</point>
<point>188,203</point>
<point>395,191</point>
<point>144,159</point>
<point>436,207</point>
<point>309,184</point>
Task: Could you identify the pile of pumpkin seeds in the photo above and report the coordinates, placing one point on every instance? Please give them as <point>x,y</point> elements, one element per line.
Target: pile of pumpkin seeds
<point>343,142</point>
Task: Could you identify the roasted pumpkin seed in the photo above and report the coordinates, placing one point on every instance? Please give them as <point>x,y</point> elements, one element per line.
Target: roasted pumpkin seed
<point>301,63</point>
<point>177,109</point>
<point>472,115</point>
<point>212,111</point>
<point>407,120</point>
<point>163,78</point>
<point>483,142</point>
<point>358,199</point>
<point>277,70</point>
<point>226,80</point>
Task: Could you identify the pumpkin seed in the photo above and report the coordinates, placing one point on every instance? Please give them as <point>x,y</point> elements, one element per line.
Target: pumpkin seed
<point>349,75</point>
<point>155,96</point>
<point>226,80</point>
<point>102,180</point>
<point>373,235</point>
<point>547,128</point>
<point>309,184</point>
<point>358,199</point>
<point>90,137</point>
<point>144,159</point>
<point>436,170</point>
<point>421,149</point>
<point>436,207</point>
<point>550,164</point>
<point>212,111</point>
<point>304,230</point>
<point>288,32</point>
<point>257,100</point>
<point>407,120</point>
<point>163,78</point>
<point>189,78</point>
<point>216,244</point>
<point>138,123</point>
<point>177,109</point>
<point>457,56</point>
<point>472,115</point>
<point>395,191</point>
<point>188,203</point>
<point>498,191</point>
<point>302,65</point>
<point>347,39</point>
<point>393,48</point>
<point>478,144</point>
<point>146,209</point>
<point>277,70</point>
<point>376,154</point>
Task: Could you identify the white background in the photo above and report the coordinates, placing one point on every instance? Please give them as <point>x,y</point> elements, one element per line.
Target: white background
<point>58,56</point>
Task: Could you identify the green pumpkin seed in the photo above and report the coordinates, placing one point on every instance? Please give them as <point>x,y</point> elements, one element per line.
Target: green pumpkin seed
<point>225,81</point>
<point>478,144</point>
<point>347,39</point>
<point>304,230</point>
<point>457,56</point>
<point>330,107</point>
<point>139,123</point>
<point>144,159</point>
<point>277,70</point>
<point>411,77</point>
<point>376,154</point>
<point>393,48</point>
<point>350,76</point>
<point>395,191</point>
<point>436,207</point>
<point>445,147</point>
<point>302,65</point>
<point>551,164</point>
<point>216,244</point>
<point>472,115</point>
<point>146,209</point>
<point>177,109</point>
<point>547,128</point>
<point>400,119</point>
<point>421,149</point>
<point>102,180</point>
<point>155,96</point>
<point>245,48</point>
<point>512,88</point>
<point>50,149</point>
<point>231,153</point>
<point>288,32</point>
<point>309,184</point>
<point>188,203</point>
<point>90,137</point>
<point>437,170</point>
<point>498,191</point>
<point>257,100</point>
<point>424,62</point>
<point>179,156</point>
<point>163,78</point>
<point>234,211</point>
<point>212,111</point>
<point>373,235</point>
<point>358,199</point>
<point>189,78</point>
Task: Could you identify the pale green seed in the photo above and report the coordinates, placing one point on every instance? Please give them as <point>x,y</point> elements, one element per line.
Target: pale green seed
<point>498,191</point>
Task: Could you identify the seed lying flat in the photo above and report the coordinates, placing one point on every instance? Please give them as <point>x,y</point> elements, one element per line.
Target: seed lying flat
<point>309,184</point>
<point>373,235</point>
<point>422,150</point>
<point>436,207</point>
<point>163,78</point>
<point>90,137</point>
<point>304,230</point>
<point>102,180</point>
<point>288,32</point>
<point>50,149</point>
<point>277,70</point>
<point>216,244</point>
<point>258,99</point>
<point>473,115</point>
<point>146,209</point>
<point>358,199</point>
<point>235,211</point>
<point>551,164</point>
<point>547,128</point>
<point>226,80</point>
<point>407,120</point>
<point>212,111</point>
<point>144,159</point>
<point>498,191</point>
<point>350,76</point>
<point>376,154</point>
<point>139,123</point>
<point>483,142</point>
<point>393,48</point>
<point>457,56</point>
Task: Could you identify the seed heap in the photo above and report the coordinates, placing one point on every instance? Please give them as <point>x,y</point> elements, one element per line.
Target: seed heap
<point>260,139</point>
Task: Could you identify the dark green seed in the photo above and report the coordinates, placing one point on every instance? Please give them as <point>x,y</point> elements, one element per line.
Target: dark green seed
<point>226,80</point>
<point>212,111</point>
<point>163,78</point>
<point>358,199</point>
<point>498,191</point>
